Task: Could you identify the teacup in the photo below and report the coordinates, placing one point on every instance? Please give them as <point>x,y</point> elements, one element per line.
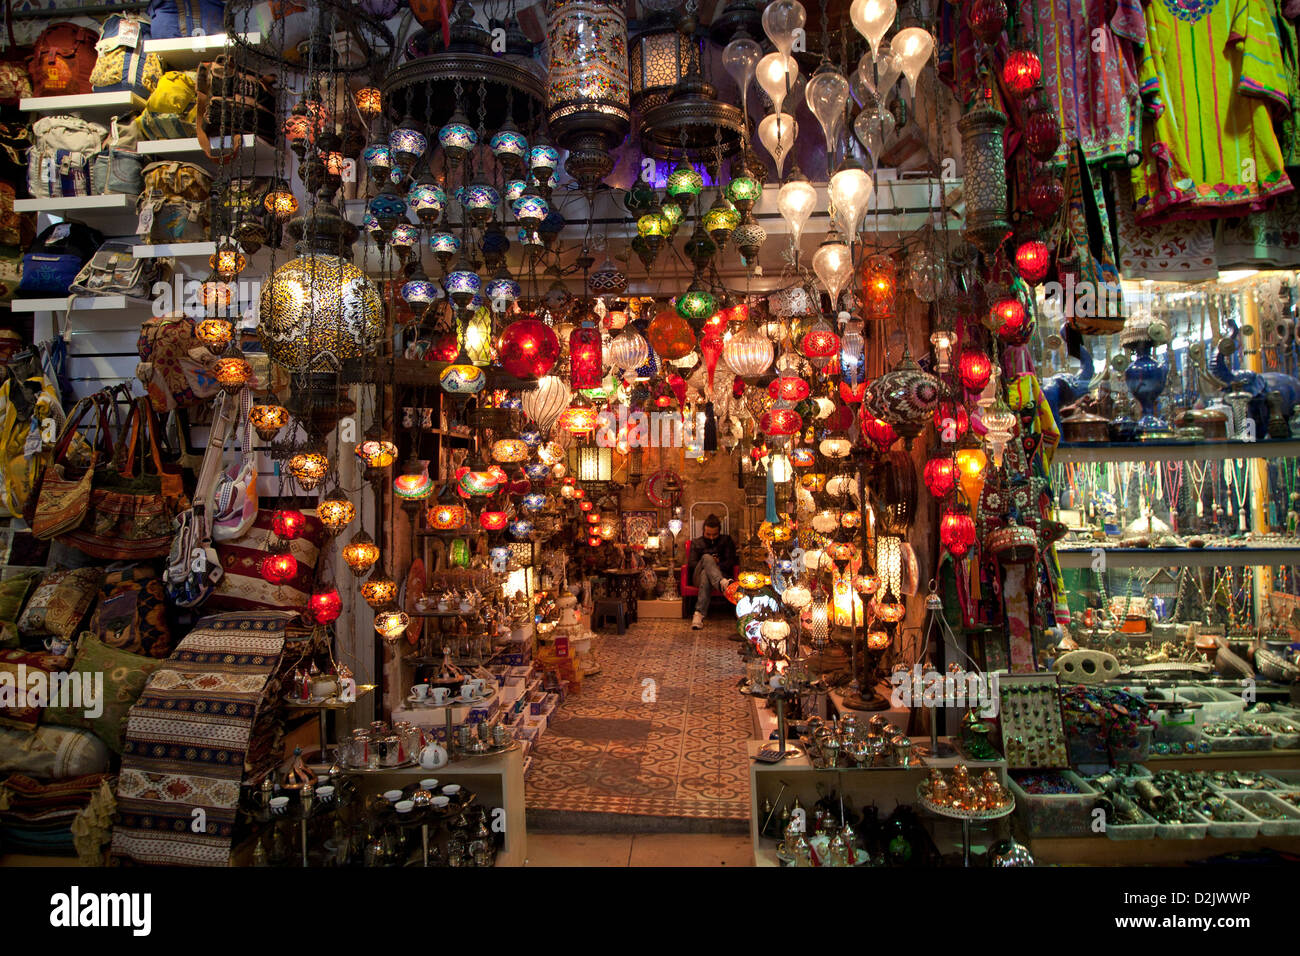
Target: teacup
<point>429,783</point>
<point>279,805</point>
<point>468,691</point>
<point>420,691</point>
<point>57,646</point>
<point>451,789</point>
<point>392,796</point>
<point>439,695</point>
<point>404,806</point>
<point>440,802</point>
<point>325,794</point>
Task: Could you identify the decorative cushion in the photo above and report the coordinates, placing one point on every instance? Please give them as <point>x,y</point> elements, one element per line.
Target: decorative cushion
<point>132,612</point>
<point>52,753</point>
<point>60,602</point>
<point>25,686</point>
<point>12,594</point>
<point>124,678</point>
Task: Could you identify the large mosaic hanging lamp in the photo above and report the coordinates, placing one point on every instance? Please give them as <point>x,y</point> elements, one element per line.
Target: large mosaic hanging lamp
<point>587,85</point>
<point>320,314</point>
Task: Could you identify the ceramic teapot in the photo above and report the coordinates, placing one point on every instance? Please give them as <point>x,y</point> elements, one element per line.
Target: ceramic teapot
<point>433,756</point>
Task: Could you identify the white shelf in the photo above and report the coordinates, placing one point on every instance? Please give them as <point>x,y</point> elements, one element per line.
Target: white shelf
<point>99,303</point>
<point>176,250</point>
<point>104,104</point>
<point>1174,450</point>
<point>109,202</point>
<point>188,52</point>
<point>1182,557</point>
<point>189,145</point>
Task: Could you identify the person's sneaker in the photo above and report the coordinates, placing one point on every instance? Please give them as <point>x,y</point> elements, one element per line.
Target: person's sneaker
<point>697,622</point>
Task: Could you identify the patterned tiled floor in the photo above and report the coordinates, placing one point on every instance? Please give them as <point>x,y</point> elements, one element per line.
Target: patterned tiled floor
<point>659,732</point>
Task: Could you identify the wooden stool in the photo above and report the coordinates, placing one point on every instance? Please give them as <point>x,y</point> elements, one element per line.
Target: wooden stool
<point>607,608</point>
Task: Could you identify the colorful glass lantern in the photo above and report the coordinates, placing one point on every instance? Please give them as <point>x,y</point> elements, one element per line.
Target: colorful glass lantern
<point>509,450</point>
<point>581,418</point>
<point>510,147</point>
<point>379,590</point>
<point>804,457</point>
<point>853,359</point>
<point>447,517</point>
<point>288,523</point>
<point>531,210</point>
<point>444,246</point>
<point>670,335</point>
<point>267,419</point>
<point>476,337</point>
<point>985,184</point>
<point>743,192</point>
<point>684,184</point>
<point>360,554</point>
<point>233,371</point>
<point>280,202</point>
<point>370,101</point>
<point>406,145</point>
<point>972,463</point>
<point>940,476</point>
<point>480,203</point>
<point>403,239</point>
<point>586,368</point>
<point>529,348</point>
<point>457,137</point>
<point>391,623</point>
<point>414,483</point>
<point>462,379</point>
<point>779,422</point>
<point>379,161</point>
<point>628,351</point>
<point>427,200</point>
<point>880,286</point>
<point>335,512</point>
<point>1033,259</point>
<point>309,468</point>
<point>502,290</point>
<point>951,421</point>
<point>943,341</point>
<point>493,520</point>
<point>278,567</point>
<point>956,532</point>
<point>1022,69</point>
<point>749,352</point>
<point>215,333</point>
<point>463,283</point>
<point>1007,311</point>
<point>880,432</point>
<point>543,159</point>
<point>696,304</point>
<point>788,388</point>
<point>324,606</point>
<point>1042,129</point>
<point>721,220</point>
<point>974,369</point>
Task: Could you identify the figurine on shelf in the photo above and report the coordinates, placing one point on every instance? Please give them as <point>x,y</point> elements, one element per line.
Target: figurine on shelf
<point>347,685</point>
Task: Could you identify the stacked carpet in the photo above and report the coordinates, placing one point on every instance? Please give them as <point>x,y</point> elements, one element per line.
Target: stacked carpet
<point>40,818</point>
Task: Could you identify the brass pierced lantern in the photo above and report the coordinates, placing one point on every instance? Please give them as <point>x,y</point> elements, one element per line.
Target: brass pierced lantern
<point>985,180</point>
<point>657,58</point>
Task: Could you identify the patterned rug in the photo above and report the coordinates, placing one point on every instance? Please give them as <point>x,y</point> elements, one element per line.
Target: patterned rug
<point>660,732</point>
<point>187,738</point>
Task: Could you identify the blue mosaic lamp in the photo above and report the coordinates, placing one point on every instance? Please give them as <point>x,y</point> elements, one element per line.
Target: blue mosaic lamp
<point>444,246</point>
<point>457,138</point>
<point>463,283</point>
<point>514,189</point>
<point>531,210</point>
<point>509,147</point>
<point>427,200</point>
<point>481,203</point>
<point>407,144</point>
<point>379,160</point>
<point>404,238</point>
<point>543,159</point>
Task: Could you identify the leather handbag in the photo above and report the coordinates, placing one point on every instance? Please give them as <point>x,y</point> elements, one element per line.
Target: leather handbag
<point>130,515</point>
<point>232,101</point>
<point>59,501</point>
<point>62,60</point>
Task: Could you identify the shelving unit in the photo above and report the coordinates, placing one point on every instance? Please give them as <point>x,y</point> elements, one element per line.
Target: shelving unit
<point>1180,557</point>
<point>1174,451</point>
<point>61,205</point>
<point>96,303</point>
<point>90,105</point>
<point>176,250</point>
<point>187,146</point>
<point>185,53</point>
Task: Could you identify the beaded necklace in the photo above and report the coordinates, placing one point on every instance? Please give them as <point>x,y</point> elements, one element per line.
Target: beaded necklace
<point>1197,471</point>
<point>1173,474</point>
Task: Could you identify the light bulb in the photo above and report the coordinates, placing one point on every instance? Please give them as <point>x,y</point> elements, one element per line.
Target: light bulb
<point>780,21</point>
<point>850,191</point>
<point>833,264</point>
<point>873,18</point>
<point>777,133</point>
<point>777,74</point>
<point>740,59</point>
<point>827,94</point>
<point>913,46</point>
<point>795,201</point>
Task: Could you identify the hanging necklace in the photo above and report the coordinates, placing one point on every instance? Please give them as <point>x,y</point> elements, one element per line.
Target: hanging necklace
<point>1196,472</point>
<point>1173,472</point>
<point>1237,479</point>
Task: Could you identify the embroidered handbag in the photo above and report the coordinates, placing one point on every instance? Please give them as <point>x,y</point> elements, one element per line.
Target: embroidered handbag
<point>130,516</point>
<point>132,614</point>
<point>177,196</point>
<point>61,500</point>
<point>122,62</point>
<point>174,364</point>
<point>62,60</point>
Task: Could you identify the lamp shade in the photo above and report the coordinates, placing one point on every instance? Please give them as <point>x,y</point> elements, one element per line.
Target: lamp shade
<point>319,312</point>
<point>586,368</point>
<point>544,404</point>
<point>748,353</point>
<point>528,348</point>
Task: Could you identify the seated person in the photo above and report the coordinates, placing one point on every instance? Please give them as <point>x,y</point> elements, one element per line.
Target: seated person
<point>710,553</point>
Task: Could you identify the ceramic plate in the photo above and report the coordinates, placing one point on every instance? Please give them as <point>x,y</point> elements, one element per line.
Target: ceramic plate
<point>414,591</point>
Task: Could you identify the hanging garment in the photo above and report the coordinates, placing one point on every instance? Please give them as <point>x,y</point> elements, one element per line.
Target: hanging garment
<point>1089,56</point>
<point>1181,252</point>
<point>1212,78</point>
<point>1270,239</point>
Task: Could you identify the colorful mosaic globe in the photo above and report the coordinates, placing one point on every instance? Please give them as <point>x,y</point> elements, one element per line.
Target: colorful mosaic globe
<point>427,201</point>
<point>514,189</point>
<point>531,211</point>
<point>457,138</point>
<point>543,160</point>
<point>481,202</point>
<point>509,146</point>
<point>462,379</point>
<point>319,312</point>
<point>502,289</point>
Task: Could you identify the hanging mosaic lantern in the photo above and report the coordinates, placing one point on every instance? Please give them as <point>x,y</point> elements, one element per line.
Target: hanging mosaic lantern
<point>880,286</point>
<point>509,147</point>
<point>586,369</point>
<point>379,590</point>
<point>288,523</point>
<point>457,137</point>
<point>376,452</point>
<point>985,181</point>
<point>309,468</point>
<point>529,348</point>
<point>267,419</point>
<point>360,554</point>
